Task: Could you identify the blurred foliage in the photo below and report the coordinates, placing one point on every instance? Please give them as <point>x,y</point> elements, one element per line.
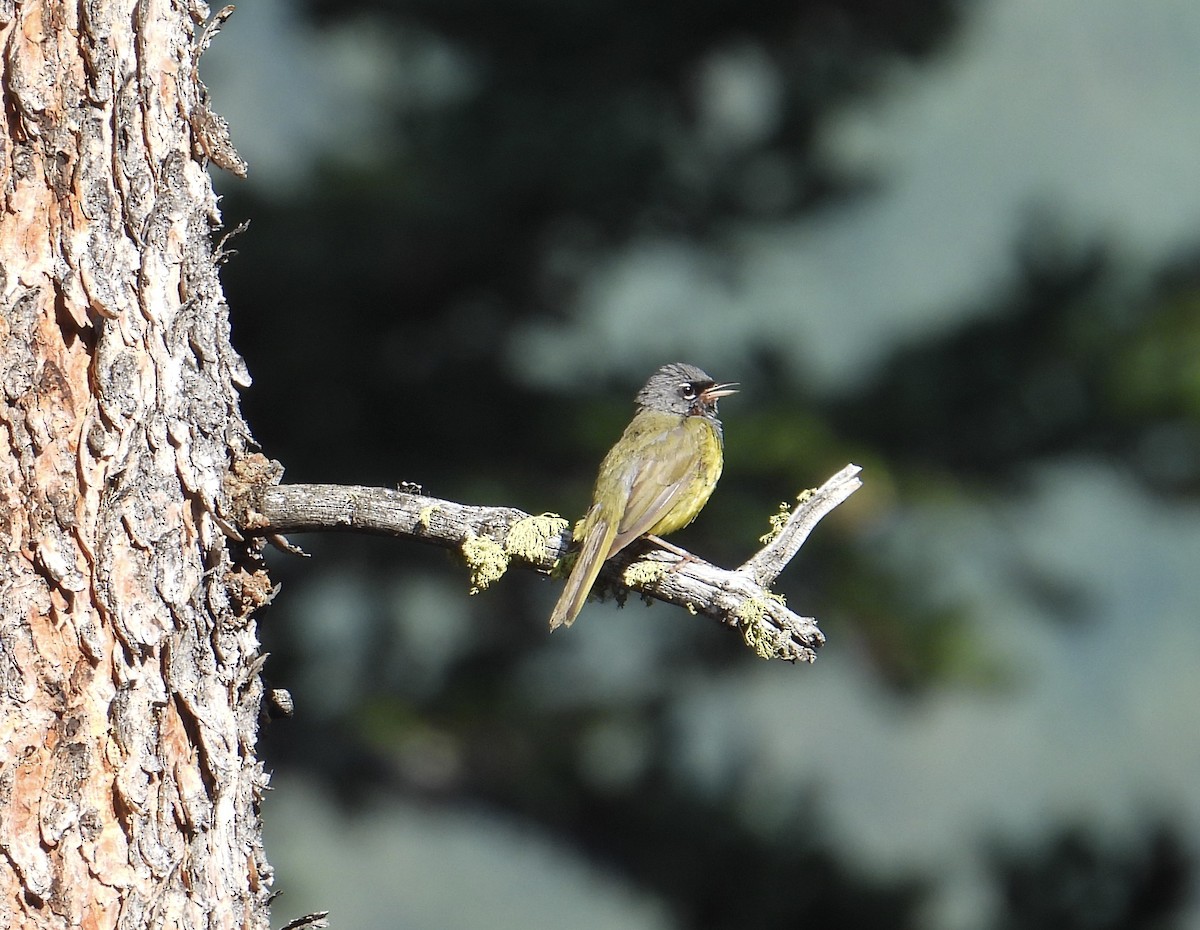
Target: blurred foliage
<point>579,126</point>
<point>1069,365</point>
<point>1077,881</point>
<point>582,125</point>
<point>604,775</point>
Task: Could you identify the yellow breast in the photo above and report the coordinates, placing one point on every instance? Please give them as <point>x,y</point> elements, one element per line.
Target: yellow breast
<point>705,449</point>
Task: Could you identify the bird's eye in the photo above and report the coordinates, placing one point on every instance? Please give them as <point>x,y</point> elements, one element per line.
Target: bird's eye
<point>687,391</point>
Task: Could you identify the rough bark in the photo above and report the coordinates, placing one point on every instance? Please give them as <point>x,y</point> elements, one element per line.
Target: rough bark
<point>129,687</point>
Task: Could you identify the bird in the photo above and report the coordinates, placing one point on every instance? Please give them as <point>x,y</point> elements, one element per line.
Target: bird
<point>654,480</point>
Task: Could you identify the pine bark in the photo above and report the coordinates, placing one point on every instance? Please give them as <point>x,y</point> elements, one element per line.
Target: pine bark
<point>129,657</point>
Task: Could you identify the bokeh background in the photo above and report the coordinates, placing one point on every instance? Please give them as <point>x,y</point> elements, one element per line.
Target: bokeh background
<point>954,242</point>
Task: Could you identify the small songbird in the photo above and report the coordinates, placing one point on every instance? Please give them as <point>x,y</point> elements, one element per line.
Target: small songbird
<point>656,478</point>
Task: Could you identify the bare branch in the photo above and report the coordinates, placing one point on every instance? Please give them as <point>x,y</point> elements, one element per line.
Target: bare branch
<point>767,564</point>
<point>317,920</point>
<point>492,538</point>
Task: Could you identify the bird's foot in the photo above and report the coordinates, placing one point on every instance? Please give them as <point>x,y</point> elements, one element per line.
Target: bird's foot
<point>684,555</point>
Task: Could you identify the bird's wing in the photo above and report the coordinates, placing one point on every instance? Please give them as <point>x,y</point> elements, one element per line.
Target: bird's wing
<point>662,474</point>
<point>644,477</point>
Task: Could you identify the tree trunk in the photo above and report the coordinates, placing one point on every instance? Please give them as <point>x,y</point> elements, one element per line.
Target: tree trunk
<point>129,688</point>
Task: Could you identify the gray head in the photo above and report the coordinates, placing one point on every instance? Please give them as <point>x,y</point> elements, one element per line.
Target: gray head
<point>684,390</point>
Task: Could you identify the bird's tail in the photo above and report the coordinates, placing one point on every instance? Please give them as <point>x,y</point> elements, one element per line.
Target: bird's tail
<point>597,541</point>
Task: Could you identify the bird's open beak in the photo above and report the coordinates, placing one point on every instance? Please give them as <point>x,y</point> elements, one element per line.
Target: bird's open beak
<point>718,391</point>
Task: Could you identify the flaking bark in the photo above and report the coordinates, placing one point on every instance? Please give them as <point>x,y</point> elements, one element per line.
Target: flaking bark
<point>129,693</point>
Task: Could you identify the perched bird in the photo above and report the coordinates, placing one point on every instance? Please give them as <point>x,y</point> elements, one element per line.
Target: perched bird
<point>656,478</point>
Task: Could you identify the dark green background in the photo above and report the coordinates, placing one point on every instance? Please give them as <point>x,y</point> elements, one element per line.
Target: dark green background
<point>376,305</point>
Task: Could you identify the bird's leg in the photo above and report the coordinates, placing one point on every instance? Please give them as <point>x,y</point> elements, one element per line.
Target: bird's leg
<point>684,555</point>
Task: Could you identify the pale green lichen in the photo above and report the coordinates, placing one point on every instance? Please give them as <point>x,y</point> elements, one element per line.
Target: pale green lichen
<point>528,538</point>
<point>425,515</point>
<point>766,641</point>
<point>778,520</point>
<point>641,575</point>
<point>486,560</point>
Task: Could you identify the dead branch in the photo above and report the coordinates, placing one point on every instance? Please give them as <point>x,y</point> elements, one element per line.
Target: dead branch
<point>490,539</point>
